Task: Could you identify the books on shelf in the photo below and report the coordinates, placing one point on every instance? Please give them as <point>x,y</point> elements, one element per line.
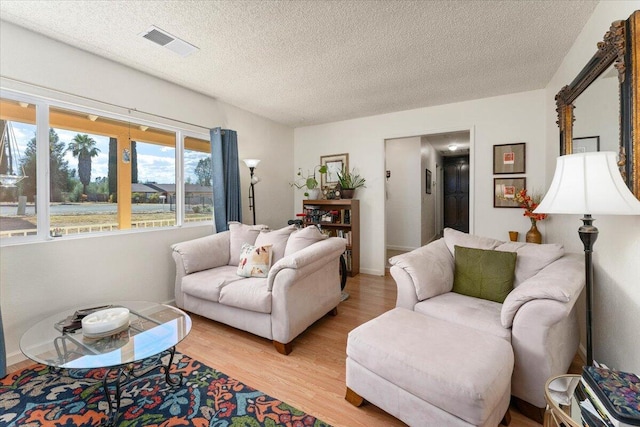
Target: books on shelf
<point>318,215</point>
<point>611,397</point>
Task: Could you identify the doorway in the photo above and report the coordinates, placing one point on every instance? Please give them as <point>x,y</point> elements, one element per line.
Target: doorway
<point>417,175</point>
<point>456,193</point>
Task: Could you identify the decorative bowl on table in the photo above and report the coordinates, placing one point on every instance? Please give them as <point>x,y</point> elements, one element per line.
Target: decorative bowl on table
<point>104,323</point>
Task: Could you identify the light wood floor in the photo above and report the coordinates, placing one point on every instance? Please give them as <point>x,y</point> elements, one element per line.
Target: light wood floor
<point>312,377</point>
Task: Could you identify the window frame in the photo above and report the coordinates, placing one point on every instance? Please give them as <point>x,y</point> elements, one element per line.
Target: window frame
<point>43,106</point>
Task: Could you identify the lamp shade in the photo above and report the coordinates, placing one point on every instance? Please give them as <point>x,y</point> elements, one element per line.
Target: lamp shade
<point>588,183</point>
<point>251,163</point>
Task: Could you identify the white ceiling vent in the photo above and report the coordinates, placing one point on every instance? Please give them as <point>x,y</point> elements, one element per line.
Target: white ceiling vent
<point>161,37</point>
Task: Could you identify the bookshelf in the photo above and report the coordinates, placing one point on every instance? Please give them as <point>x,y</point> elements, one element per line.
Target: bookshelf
<point>337,218</point>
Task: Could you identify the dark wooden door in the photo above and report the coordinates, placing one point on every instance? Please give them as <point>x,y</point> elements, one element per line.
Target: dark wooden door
<point>456,193</point>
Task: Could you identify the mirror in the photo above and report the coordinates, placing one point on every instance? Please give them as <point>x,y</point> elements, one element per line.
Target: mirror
<point>599,110</point>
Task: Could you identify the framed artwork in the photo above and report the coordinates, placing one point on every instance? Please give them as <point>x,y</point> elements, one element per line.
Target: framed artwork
<point>335,163</point>
<point>509,158</point>
<point>587,144</point>
<point>428,186</point>
<point>504,191</point>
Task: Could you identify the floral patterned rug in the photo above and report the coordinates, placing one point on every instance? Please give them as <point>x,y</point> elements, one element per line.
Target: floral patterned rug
<point>41,396</point>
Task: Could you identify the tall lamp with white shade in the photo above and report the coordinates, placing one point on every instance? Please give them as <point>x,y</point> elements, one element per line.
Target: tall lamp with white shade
<point>252,164</point>
<point>589,184</point>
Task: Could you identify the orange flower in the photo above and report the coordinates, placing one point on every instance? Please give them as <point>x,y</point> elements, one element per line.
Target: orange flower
<point>529,204</point>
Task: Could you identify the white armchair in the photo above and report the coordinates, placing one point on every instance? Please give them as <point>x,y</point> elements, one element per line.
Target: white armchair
<point>538,317</point>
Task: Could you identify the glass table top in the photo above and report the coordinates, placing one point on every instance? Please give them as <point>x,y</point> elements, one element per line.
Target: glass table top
<point>153,329</point>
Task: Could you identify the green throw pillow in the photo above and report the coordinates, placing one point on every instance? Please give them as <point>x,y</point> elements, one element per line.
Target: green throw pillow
<point>484,273</point>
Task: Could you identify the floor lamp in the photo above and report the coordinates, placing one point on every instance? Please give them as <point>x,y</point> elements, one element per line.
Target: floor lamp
<point>252,164</point>
<point>588,183</point>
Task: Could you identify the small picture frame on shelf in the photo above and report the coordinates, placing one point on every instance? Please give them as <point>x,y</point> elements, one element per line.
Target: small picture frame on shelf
<point>587,144</point>
<point>335,163</point>
<point>509,158</point>
<point>504,191</point>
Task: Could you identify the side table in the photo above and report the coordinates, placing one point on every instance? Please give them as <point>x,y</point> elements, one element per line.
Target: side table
<point>563,408</point>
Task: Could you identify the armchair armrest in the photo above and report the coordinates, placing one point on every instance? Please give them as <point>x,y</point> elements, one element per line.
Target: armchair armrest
<point>309,259</point>
<point>203,253</point>
<point>562,280</point>
<point>422,273</point>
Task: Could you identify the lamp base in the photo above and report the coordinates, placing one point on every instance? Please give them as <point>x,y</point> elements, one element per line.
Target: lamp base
<point>588,234</point>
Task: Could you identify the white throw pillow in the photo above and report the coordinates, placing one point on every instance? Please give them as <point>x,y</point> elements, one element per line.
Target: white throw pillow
<point>454,237</point>
<point>255,261</point>
<point>302,238</point>
<point>241,234</point>
<point>532,257</point>
<point>430,267</point>
<point>277,238</point>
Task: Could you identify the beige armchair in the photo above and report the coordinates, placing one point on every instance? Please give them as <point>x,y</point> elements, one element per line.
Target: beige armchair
<point>538,317</point>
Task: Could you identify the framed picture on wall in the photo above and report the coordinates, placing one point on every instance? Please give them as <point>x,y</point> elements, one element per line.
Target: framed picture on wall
<point>335,163</point>
<point>509,158</point>
<point>504,191</point>
<point>587,144</point>
<point>428,181</point>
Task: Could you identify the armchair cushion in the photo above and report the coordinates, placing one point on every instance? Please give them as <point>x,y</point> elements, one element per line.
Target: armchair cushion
<point>532,257</point>
<point>475,313</point>
<point>483,273</point>
<point>255,261</point>
<point>454,237</point>
<point>208,283</point>
<point>430,268</point>
<point>302,238</point>
<point>561,281</point>
<point>277,239</point>
<point>249,294</point>
<point>239,235</point>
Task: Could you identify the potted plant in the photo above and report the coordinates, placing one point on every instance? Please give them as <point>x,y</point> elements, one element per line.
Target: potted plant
<point>348,182</point>
<point>309,182</point>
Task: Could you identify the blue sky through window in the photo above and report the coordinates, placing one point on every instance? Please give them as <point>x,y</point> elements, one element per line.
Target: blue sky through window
<point>156,163</point>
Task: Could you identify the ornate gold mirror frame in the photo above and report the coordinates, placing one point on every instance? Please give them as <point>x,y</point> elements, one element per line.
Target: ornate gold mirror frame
<point>620,47</point>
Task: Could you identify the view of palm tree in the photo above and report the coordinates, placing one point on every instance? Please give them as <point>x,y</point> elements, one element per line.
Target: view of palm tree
<point>85,199</point>
<point>83,147</point>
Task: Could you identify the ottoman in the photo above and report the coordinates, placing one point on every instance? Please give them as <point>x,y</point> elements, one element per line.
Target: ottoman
<point>429,372</point>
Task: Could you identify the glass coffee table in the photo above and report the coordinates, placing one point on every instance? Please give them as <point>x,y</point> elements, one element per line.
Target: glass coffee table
<point>153,329</point>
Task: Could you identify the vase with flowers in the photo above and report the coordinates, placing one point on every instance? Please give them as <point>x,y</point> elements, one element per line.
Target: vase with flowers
<point>529,203</point>
<point>309,182</point>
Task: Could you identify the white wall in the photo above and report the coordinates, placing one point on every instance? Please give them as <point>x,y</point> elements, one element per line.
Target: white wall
<point>430,159</point>
<point>403,202</point>
<point>40,279</point>
<point>616,311</point>
<point>505,119</point>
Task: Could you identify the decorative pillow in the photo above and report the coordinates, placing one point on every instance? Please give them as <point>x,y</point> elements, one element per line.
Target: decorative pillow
<point>484,273</point>
<point>302,238</point>
<point>454,237</point>
<point>276,238</point>
<point>532,258</point>
<point>255,261</point>
<point>241,234</point>
<point>430,268</point>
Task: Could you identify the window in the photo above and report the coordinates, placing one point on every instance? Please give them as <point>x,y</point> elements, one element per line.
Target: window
<point>106,172</point>
<point>120,174</point>
<point>17,169</point>
<point>198,197</point>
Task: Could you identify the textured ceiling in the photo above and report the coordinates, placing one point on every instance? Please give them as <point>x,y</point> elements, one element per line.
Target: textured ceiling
<point>311,62</point>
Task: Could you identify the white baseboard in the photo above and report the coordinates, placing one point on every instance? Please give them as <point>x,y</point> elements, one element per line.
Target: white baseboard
<point>372,271</point>
<point>400,248</point>
<point>16,357</point>
<point>582,352</point>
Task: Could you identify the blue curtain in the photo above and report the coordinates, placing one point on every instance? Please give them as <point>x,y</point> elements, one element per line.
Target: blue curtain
<point>225,178</point>
<point>3,354</point>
